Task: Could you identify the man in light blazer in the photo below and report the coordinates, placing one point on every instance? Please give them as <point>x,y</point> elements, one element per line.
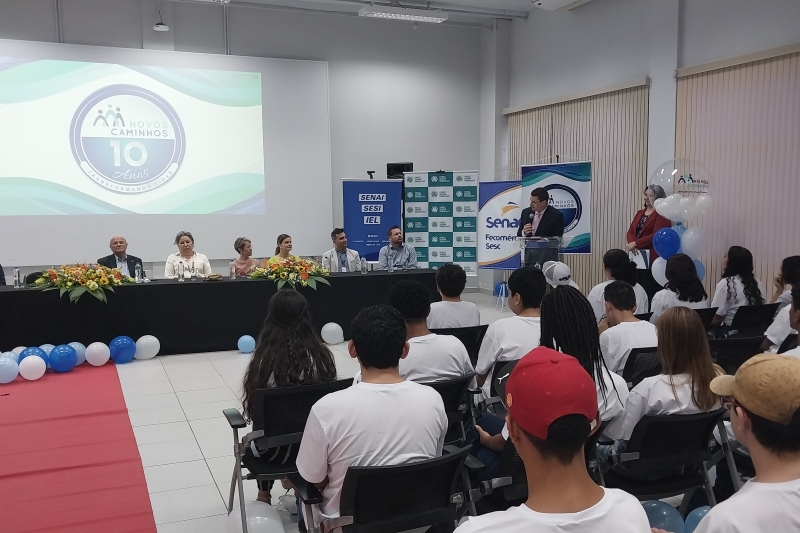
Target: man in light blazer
<point>340,258</point>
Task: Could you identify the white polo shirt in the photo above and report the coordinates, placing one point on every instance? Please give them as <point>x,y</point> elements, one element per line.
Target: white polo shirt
<point>453,315</point>
<point>369,425</point>
<point>779,329</point>
<point>507,339</point>
<point>433,358</point>
<point>617,342</point>
<point>729,306</point>
<point>597,298</point>
<point>666,299</point>
<point>616,512</point>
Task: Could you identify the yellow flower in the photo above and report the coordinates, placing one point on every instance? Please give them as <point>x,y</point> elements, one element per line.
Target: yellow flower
<point>92,286</point>
<point>69,284</point>
<point>103,281</point>
<point>39,281</point>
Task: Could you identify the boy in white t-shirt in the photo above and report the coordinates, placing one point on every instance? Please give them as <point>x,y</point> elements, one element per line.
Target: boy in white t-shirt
<point>764,402</point>
<point>452,311</point>
<point>508,339</point>
<point>625,331</point>
<point>552,410</point>
<point>383,420</point>
<point>431,357</point>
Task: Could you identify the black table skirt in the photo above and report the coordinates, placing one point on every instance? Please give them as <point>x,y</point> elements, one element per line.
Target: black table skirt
<point>188,317</point>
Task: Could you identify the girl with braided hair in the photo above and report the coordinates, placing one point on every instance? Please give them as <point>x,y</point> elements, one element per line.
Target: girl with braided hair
<point>289,353</point>
<point>737,287</point>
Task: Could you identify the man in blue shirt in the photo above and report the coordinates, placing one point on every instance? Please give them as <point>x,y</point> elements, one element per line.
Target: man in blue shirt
<point>402,256</point>
<point>120,258</point>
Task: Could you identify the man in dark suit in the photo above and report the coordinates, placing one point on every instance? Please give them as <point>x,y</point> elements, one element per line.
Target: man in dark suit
<point>541,219</point>
<point>120,258</point>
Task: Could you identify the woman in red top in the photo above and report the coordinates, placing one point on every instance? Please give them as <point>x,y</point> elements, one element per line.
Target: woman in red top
<point>646,223</point>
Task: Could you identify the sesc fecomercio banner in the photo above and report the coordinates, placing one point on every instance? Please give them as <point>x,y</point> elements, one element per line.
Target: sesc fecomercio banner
<point>570,188</point>
<point>498,220</point>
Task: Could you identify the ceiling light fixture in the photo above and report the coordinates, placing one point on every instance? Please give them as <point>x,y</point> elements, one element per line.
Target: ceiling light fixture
<point>160,26</point>
<point>396,13</point>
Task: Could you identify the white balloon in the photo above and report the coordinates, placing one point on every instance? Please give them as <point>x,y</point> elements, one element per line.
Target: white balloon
<point>9,355</point>
<point>18,350</point>
<point>704,201</point>
<point>694,242</point>
<point>147,347</point>
<point>32,367</point>
<point>332,333</point>
<point>659,270</point>
<point>97,354</point>
<point>47,348</point>
<point>261,518</point>
<point>80,349</point>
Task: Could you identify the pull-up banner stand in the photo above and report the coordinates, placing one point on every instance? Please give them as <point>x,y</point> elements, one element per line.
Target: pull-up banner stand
<point>370,208</point>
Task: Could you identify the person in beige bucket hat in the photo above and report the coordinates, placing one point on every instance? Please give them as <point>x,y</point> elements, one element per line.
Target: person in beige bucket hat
<point>764,403</point>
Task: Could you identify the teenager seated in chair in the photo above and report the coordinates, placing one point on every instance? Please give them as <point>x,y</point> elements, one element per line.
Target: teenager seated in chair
<point>289,353</point>
<point>568,326</point>
<point>552,410</point>
<point>683,387</point>
<point>383,420</point>
<point>683,288</point>
<point>452,311</point>
<point>764,403</point>
<point>508,339</point>
<point>737,287</point>
<point>786,322</point>
<point>625,332</point>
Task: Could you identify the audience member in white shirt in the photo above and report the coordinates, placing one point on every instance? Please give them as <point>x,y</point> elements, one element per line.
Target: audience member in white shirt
<point>452,311</point>
<point>617,266</point>
<point>431,357</point>
<point>794,319</point>
<point>552,410</point>
<point>737,287</point>
<point>777,331</point>
<point>194,264</point>
<point>763,399</point>
<point>567,326</point>
<point>625,331</point>
<point>384,420</point>
<point>557,273</point>
<point>683,288</point>
<point>508,339</point>
<point>788,279</point>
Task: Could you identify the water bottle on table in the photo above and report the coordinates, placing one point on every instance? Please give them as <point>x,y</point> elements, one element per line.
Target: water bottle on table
<point>17,278</point>
<point>181,272</point>
<point>138,273</point>
<point>232,270</point>
<point>363,265</point>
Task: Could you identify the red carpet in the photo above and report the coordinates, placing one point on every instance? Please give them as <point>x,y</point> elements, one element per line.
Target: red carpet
<point>68,458</point>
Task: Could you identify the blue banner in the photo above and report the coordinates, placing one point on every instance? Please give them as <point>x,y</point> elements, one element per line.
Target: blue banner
<point>371,207</point>
<point>498,219</point>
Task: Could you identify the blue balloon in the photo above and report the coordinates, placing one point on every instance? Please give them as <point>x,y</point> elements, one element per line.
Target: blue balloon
<point>80,350</point>
<point>246,344</point>
<point>33,350</point>
<point>501,288</point>
<point>663,516</point>
<point>122,349</point>
<point>9,355</point>
<point>700,267</point>
<point>694,518</point>
<point>8,370</point>
<point>666,242</point>
<point>679,228</point>
<point>63,358</point>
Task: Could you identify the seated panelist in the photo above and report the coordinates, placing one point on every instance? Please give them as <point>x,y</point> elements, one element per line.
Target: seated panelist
<point>119,257</point>
<point>283,250</point>
<point>400,255</point>
<point>340,258</point>
<point>246,262</point>
<point>193,262</point>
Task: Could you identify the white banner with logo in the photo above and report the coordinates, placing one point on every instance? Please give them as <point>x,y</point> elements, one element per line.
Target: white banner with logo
<point>498,220</point>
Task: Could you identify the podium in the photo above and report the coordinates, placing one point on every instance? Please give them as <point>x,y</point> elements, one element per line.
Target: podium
<point>536,251</point>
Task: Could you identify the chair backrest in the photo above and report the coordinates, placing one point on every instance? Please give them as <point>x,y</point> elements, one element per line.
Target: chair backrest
<point>387,499</point>
<point>499,378</point>
<point>644,316</point>
<point>707,315</point>
<point>470,337</point>
<point>789,343</point>
<point>730,353</point>
<point>455,398</point>
<point>754,318</point>
<point>281,412</point>
<point>667,441</point>
<point>32,277</point>
<point>641,363</point>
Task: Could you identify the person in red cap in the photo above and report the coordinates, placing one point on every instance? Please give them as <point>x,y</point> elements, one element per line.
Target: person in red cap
<point>552,410</point>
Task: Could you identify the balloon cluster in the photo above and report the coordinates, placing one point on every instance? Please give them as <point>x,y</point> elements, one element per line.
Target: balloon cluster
<point>31,363</point>
<point>664,516</point>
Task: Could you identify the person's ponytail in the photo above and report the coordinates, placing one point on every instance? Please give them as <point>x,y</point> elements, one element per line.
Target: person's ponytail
<point>620,266</point>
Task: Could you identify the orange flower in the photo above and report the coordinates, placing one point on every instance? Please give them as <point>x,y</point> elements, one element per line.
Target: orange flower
<point>304,275</point>
<point>53,276</point>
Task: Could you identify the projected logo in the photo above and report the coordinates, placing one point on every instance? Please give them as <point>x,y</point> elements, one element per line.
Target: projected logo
<point>566,200</point>
<point>127,139</point>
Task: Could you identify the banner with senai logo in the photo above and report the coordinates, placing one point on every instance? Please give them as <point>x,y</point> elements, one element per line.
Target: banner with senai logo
<point>570,189</point>
<point>500,209</point>
<point>441,210</point>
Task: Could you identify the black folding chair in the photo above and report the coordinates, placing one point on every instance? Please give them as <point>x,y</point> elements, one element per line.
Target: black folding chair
<point>753,319</point>
<point>500,375</point>
<point>707,316</point>
<point>641,363</point>
<point>789,343</point>
<point>678,446</point>
<point>457,400</point>
<point>279,419</point>
<point>31,278</point>
<point>389,499</point>
<point>644,316</point>
<point>470,337</point>
<point>731,352</point>
<point>590,454</point>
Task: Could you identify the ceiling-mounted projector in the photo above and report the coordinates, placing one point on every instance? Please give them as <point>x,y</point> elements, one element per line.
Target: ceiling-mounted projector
<point>559,5</point>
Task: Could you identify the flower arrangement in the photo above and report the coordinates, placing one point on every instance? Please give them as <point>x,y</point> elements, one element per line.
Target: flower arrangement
<point>303,272</point>
<point>77,280</point>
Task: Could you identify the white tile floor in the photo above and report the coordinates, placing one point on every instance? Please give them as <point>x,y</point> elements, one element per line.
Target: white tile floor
<point>175,405</point>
